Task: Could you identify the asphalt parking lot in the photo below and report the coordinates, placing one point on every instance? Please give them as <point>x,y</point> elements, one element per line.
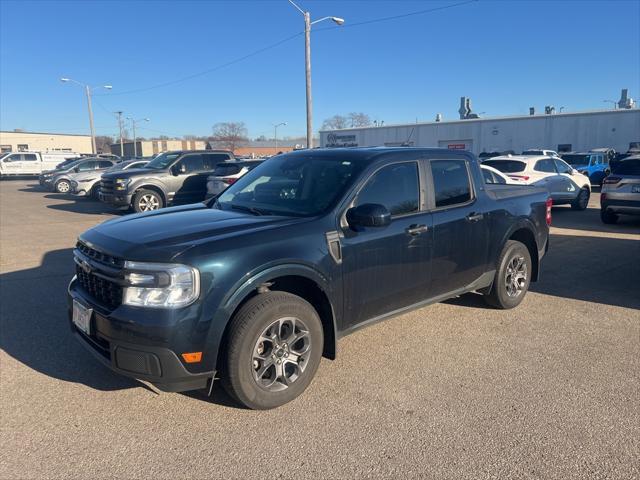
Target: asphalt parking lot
<point>455,390</point>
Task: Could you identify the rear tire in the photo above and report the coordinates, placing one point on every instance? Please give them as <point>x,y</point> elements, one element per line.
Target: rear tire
<point>608,217</point>
<point>512,278</point>
<point>582,201</point>
<point>147,201</point>
<point>274,347</point>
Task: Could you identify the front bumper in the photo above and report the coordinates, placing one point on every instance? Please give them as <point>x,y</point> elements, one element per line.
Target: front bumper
<point>116,199</point>
<point>141,360</point>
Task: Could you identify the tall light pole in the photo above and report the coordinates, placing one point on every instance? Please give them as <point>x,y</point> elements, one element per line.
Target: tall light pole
<point>133,125</point>
<point>119,113</point>
<point>88,91</point>
<point>275,134</point>
<point>307,64</point>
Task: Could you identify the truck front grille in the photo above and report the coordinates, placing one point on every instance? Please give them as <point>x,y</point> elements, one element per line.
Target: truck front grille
<point>107,186</point>
<point>104,291</point>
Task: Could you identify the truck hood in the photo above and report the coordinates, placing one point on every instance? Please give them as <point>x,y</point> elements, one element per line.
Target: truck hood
<point>133,172</point>
<point>163,234</point>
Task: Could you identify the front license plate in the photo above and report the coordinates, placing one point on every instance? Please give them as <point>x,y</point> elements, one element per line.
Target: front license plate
<point>82,317</point>
<point>635,189</point>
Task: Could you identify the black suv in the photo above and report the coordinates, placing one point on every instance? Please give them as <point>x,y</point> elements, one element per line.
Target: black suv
<point>171,178</point>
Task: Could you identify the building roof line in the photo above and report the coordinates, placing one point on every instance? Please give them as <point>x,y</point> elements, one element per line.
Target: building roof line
<point>45,133</point>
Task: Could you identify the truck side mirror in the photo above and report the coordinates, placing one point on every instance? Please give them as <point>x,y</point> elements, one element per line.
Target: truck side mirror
<point>369,215</point>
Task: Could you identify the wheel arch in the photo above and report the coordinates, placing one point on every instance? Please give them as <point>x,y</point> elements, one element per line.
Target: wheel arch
<point>525,235</point>
<point>297,279</point>
<point>151,186</point>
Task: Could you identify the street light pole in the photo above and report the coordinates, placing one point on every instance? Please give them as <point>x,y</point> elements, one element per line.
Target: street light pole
<point>307,65</point>
<point>119,113</point>
<point>133,125</point>
<point>275,134</point>
<point>88,90</point>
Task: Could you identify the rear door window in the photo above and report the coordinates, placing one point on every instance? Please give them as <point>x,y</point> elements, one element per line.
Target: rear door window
<point>506,166</point>
<point>394,186</point>
<point>211,160</point>
<point>29,157</point>
<point>105,164</point>
<point>192,163</point>
<point>546,165</point>
<point>85,166</point>
<point>451,182</point>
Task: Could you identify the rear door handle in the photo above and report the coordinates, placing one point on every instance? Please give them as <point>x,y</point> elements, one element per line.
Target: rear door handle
<point>474,217</point>
<point>416,229</point>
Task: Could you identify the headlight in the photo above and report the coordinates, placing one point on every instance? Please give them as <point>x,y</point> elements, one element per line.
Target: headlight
<point>121,183</point>
<point>160,285</point>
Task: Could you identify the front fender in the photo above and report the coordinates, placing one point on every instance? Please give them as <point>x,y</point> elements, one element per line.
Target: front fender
<point>247,285</point>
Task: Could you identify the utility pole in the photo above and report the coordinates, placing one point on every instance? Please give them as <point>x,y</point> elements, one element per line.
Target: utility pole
<point>88,90</point>
<point>133,125</point>
<point>307,64</point>
<point>275,134</point>
<point>119,113</point>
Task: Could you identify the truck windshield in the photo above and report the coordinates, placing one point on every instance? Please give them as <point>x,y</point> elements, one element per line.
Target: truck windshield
<point>163,160</point>
<point>291,185</point>
<point>506,166</point>
<point>576,159</point>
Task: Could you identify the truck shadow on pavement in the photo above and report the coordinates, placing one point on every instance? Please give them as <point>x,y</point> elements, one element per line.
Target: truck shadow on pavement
<point>34,329</point>
<point>84,205</point>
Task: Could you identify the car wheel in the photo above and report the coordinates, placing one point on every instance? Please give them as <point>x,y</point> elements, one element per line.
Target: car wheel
<point>274,347</point>
<point>608,217</point>
<point>512,278</point>
<point>147,200</point>
<point>582,200</point>
<point>93,193</point>
<point>63,186</point>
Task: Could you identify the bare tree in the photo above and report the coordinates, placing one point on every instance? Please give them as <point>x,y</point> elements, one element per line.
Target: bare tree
<point>103,143</point>
<point>230,135</point>
<point>335,123</point>
<point>359,119</point>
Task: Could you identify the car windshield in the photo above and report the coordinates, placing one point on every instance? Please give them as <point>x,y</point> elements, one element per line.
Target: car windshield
<point>626,167</point>
<point>506,166</point>
<point>163,160</point>
<point>576,159</point>
<point>297,185</point>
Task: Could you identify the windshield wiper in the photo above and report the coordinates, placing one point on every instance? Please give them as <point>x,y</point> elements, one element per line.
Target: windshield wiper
<point>244,208</point>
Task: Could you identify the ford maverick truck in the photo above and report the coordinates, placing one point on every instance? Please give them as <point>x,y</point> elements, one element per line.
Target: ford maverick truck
<point>254,286</point>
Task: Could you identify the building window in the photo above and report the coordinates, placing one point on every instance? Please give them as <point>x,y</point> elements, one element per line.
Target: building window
<point>23,147</point>
<point>564,147</point>
<point>5,148</point>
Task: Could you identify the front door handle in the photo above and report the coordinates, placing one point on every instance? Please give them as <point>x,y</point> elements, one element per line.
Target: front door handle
<point>474,217</point>
<point>416,229</point>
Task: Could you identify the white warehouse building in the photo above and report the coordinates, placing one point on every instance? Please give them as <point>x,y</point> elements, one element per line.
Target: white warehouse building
<point>579,131</point>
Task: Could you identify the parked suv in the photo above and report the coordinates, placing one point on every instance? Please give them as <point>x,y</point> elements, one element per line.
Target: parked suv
<point>60,180</point>
<point>171,178</point>
<point>256,286</point>
<point>621,190</point>
<point>564,183</point>
<point>227,173</point>
<point>87,184</point>
<point>594,165</point>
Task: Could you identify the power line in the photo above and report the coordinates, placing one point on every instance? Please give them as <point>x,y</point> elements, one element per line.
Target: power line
<point>280,42</point>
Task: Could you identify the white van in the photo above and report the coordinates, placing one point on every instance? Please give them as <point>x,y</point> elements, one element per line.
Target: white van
<point>31,163</point>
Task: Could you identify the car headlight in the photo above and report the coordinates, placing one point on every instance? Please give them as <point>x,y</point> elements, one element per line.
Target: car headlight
<point>121,183</point>
<point>160,285</point>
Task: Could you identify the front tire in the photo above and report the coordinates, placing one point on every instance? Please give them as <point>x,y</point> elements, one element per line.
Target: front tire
<point>513,276</point>
<point>63,186</point>
<point>147,201</point>
<point>274,347</point>
<point>582,200</point>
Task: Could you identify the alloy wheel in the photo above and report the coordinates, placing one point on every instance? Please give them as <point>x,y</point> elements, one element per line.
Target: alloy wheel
<point>516,276</point>
<point>149,202</point>
<point>584,199</point>
<point>281,354</point>
<point>63,187</point>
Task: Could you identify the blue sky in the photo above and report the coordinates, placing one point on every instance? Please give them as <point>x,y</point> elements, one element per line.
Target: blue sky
<point>505,55</point>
